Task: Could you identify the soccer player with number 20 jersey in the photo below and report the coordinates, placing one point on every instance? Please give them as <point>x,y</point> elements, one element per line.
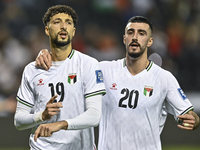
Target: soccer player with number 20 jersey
<point>138,95</point>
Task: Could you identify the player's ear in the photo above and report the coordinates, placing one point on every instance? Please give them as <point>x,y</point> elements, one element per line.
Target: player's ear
<point>74,31</point>
<point>150,42</point>
<point>47,30</point>
<point>124,39</point>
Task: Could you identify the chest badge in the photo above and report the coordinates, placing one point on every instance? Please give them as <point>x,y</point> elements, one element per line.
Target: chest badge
<point>148,91</point>
<point>72,78</point>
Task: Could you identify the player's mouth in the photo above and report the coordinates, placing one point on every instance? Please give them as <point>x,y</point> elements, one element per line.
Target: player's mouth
<point>63,34</point>
<point>134,44</point>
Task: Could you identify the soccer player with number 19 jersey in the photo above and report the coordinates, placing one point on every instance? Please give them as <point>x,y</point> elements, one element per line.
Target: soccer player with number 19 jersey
<point>65,98</point>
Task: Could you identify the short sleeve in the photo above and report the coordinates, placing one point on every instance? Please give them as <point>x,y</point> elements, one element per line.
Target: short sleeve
<point>177,102</point>
<point>25,92</point>
<point>93,78</point>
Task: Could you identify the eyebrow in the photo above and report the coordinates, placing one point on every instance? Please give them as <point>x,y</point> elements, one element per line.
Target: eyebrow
<point>61,19</point>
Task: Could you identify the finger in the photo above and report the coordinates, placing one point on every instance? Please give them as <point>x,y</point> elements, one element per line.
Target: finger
<point>48,59</point>
<point>189,121</point>
<point>46,62</point>
<point>59,105</point>
<point>186,124</point>
<point>43,63</point>
<point>49,132</point>
<point>52,113</point>
<point>185,128</point>
<point>46,132</point>
<point>42,131</point>
<point>40,62</point>
<point>186,116</point>
<point>37,63</point>
<point>37,134</point>
<point>52,99</point>
<point>55,105</point>
<point>50,108</point>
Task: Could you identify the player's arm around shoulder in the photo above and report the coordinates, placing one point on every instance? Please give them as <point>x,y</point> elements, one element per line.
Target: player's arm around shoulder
<point>189,121</point>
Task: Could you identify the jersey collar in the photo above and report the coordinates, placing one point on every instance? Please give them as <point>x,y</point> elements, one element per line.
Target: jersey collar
<point>71,54</point>
<point>150,65</point>
<point>147,68</point>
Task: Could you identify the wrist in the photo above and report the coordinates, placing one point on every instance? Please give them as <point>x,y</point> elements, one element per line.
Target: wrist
<point>64,125</point>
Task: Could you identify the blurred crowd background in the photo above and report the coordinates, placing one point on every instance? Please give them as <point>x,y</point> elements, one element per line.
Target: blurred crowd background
<point>99,33</point>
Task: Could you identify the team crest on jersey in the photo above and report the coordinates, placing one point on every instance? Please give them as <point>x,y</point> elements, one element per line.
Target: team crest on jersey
<point>99,76</point>
<point>148,91</point>
<point>182,93</point>
<point>72,78</point>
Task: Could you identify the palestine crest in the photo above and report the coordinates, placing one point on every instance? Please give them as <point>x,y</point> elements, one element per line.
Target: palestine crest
<point>72,78</point>
<point>148,91</point>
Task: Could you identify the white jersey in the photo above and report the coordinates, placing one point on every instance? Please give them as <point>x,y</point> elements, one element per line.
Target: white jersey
<point>134,107</point>
<point>77,78</point>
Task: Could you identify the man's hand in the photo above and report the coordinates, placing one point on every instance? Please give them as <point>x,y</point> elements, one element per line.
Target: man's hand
<point>43,59</point>
<point>51,108</point>
<point>190,121</point>
<point>46,130</point>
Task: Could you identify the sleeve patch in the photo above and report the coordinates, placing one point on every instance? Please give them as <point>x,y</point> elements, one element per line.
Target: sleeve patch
<point>99,76</point>
<point>182,93</point>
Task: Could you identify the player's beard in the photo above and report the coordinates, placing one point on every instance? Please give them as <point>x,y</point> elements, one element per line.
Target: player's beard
<point>61,43</point>
<point>136,54</point>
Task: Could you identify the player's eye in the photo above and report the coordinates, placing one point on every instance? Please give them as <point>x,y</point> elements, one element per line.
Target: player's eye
<point>130,32</point>
<point>141,33</point>
<point>56,22</point>
<point>69,22</point>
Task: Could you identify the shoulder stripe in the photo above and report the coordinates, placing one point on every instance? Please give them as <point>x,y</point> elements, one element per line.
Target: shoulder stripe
<point>149,66</point>
<point>103,92</point>
<point>24,102</point>
<point>71,54</point>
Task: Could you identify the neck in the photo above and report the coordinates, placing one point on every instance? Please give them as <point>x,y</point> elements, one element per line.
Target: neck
<point>136,65</point>
<point>60,53</point>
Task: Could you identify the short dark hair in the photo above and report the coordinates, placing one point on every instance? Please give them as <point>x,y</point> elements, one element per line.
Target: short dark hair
<point>59,9</point>
<point>141,19</point>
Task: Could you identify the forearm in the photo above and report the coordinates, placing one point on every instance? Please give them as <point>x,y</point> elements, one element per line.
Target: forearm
<point>196,125</point>
<point>23,119</point>
<point>90,117</point>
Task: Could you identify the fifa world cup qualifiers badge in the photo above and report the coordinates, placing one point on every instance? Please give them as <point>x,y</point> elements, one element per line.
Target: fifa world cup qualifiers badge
<point>182,93</point>
<point>99,76</point>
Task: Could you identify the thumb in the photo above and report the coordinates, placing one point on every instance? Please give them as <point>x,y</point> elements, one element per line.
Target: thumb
<point>52,99</point>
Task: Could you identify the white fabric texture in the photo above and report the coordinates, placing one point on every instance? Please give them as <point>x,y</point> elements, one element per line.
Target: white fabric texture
<point>75,81</point>
<point>134,108</point>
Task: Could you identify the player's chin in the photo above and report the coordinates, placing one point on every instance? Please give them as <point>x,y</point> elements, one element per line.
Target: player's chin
<point>62,39</point>
<point>134,54</point>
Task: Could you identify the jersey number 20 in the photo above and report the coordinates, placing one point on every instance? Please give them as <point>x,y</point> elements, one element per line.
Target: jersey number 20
<point>129,97</point>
